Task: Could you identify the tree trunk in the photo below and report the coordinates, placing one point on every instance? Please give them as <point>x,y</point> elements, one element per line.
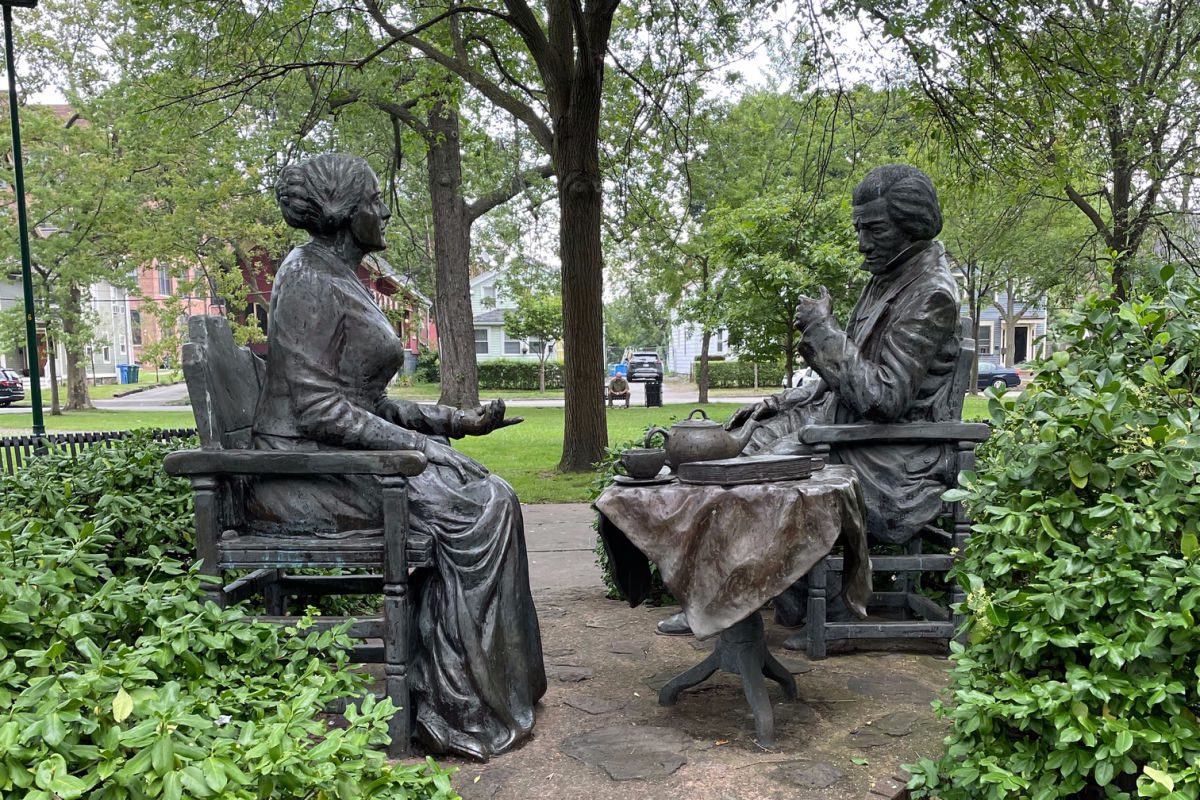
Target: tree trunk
<point>77,388</point>
<point>702,375</point>
<point>975,309</point>
<point>580,200</point>
<point>1010,324</point>
<point>789,356</point>
<point>542,370</point>
<point>976,313</point>
<point>452,257</point>
<point>52,358</point>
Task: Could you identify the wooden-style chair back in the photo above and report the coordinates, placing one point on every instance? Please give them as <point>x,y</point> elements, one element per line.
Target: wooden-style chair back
<point>224,382</point>
<point>960,382</point>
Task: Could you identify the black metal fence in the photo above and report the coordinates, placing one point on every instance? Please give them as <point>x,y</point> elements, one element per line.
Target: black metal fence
<point>15,451</point>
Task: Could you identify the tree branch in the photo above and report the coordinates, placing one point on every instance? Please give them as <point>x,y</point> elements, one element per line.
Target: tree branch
<point>518,184</point>
<point>1090,212</point>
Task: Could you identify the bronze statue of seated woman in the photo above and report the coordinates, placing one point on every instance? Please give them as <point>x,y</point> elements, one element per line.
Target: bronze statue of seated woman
<point>477,668</point>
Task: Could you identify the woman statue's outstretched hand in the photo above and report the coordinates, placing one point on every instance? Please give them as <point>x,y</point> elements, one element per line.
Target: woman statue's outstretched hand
<point>485,419</point>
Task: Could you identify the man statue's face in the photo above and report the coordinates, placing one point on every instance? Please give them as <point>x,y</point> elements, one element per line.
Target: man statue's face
<point>880,239</point>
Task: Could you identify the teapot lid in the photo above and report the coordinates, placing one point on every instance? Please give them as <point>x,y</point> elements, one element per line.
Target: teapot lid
<point>696,423</point>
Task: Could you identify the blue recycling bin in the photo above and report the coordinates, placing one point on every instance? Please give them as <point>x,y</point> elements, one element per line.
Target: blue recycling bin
<point>123,373</point>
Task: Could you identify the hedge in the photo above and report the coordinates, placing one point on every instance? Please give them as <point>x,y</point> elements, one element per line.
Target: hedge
<point>514,374</point>
<point>740,374</point>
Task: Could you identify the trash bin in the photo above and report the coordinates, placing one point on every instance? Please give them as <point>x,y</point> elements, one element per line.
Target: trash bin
<point>135,373</point>
<point>653,395</point>
<point>123,373</point>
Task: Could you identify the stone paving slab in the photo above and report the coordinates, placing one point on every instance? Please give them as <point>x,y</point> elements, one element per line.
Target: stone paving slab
<point>601,735</point>
<point>604,736</point>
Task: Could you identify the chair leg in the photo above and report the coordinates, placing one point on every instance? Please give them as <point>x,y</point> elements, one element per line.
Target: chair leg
<point>273,597</point>
<point>208,530</point>
<point>396,613</point>
<point>816,610</point>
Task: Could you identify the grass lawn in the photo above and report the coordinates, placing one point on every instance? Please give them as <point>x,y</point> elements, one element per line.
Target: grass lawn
<point>430,392</point>
<point>100,420</point>
<point>525,455</point>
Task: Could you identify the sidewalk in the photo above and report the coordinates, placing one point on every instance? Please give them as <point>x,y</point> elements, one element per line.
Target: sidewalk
<point>601,734</point>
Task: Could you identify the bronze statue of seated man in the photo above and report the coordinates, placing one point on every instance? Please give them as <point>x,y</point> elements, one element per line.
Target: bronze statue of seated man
<point>893,363</point>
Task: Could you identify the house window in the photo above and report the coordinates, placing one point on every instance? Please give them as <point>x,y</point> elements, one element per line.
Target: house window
<point>106,354</point>
<point>121,344</point>
<point>135,325</point>
<point>164,281</point>
<point>536,345</point>
<point>722,338</point>
<point>481,341</point>
<point>512,347</point>
<point>983,345</point>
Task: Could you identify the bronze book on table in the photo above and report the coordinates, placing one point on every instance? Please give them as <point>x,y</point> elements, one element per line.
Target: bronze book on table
<point>750,469</point>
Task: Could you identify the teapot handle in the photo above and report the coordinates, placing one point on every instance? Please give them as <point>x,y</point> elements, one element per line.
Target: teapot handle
<point>650,435</point>
<point>699,411</point>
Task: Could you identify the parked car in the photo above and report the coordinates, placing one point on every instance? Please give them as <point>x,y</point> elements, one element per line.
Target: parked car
<point>997,377</point>
<point>645,367</point>
<point>12,388</point>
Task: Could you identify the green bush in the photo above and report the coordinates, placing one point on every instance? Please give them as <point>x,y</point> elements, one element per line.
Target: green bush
<point>740,375</point>
<point>428,370</point>
<point>1080,677</point>
<point>117,680</point>
<point>121,488</point>
<point>514,374</point>
<point>606,468</point>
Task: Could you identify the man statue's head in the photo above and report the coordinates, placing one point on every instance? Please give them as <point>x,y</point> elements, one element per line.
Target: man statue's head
<point>895,207</point>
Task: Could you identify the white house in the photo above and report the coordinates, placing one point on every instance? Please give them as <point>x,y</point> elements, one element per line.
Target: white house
<point>685,342</point>
<point>488,304</point>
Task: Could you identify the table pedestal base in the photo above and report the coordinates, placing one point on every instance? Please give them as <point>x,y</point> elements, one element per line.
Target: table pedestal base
<point>742,650</point>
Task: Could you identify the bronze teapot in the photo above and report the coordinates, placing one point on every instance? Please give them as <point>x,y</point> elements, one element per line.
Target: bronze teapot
<point>701,439</point>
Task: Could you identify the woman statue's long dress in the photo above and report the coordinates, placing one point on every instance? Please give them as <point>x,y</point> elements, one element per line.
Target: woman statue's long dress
<point>477,668</point>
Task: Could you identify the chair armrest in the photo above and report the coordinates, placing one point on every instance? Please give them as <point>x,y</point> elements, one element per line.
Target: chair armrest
<point>866,433</point>
<point>404,463</point>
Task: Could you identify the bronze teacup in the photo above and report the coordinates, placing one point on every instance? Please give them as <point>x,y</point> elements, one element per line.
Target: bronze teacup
<point>643,463</point>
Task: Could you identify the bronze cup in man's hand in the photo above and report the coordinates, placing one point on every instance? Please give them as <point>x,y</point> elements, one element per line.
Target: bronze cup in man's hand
<point>643,463</point>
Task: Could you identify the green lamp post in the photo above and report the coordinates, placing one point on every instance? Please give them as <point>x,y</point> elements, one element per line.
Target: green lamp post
<point>35,380</point>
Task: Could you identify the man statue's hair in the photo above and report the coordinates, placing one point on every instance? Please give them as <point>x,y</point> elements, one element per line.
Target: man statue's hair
<point>912,201</point>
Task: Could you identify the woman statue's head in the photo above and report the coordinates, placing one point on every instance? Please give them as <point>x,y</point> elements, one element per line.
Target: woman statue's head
<point>329,193</point>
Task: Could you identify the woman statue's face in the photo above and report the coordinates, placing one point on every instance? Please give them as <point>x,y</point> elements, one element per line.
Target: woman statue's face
<point>369,219</point>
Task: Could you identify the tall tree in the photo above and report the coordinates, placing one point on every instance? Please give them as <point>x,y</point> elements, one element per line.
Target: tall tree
<point>1099,97</point>
<point>78,201</point>
<point>217,55</point>
<point>772,251</point>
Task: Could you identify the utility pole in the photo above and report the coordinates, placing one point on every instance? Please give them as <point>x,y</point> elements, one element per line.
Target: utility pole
<point>35,379</point>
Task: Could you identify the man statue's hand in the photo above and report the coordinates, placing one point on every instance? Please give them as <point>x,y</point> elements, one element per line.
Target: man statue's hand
<point>809,310</point>
<point>484,419</point>
<point>763,409</point>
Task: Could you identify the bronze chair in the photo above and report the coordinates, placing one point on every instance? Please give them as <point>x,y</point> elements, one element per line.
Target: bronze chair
<point>919,616</point>
<point>224,381</point>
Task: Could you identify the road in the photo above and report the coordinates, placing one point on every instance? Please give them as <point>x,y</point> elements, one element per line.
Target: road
<point>166,398</point>
<point>160,398</point>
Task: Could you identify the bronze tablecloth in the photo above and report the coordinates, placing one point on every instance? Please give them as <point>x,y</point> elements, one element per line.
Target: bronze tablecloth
<point>724,551</point>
